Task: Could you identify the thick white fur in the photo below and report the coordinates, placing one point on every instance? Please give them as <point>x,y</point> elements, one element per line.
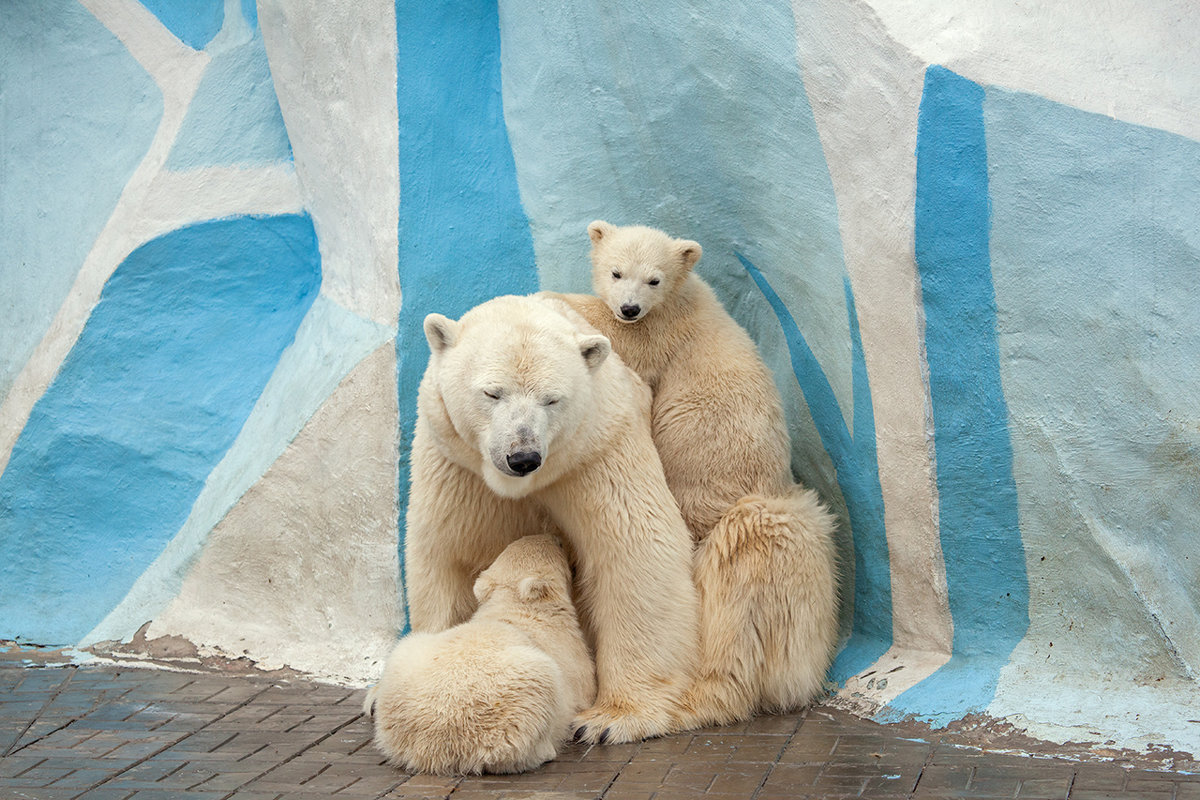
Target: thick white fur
<point>495,693</point>
<point>765,564</point>
<point>526,374</point>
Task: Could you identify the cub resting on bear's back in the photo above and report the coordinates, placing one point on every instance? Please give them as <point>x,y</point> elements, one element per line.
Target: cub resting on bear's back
<point>495,693</point>
<point>765,565</point>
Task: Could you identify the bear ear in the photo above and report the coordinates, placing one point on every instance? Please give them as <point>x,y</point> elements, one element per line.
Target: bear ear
<point>483,588</point>
<point>442,332</point>
<point>594,349</point>
<point>689,252</point>
<point>598,230</point>
<point>530,589</point>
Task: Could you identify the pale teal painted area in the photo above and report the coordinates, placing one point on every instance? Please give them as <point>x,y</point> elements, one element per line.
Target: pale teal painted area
<point>694,122</point>
<point>77,115</point>
<point>329,343</point>
<point>1096,264</point>
<point>234,119</point>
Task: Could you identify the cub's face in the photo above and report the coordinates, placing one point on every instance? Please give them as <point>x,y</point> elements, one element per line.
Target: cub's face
<point>515,382</point>
<point>634,268</point>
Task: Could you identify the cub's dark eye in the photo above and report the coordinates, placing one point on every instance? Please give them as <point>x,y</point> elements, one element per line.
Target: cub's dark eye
<point>653,281</point>
<point>616,275</point>
<point>494,394</point>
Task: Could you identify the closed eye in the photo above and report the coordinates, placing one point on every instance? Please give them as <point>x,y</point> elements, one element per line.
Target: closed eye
<point>494,394</point>
<point>550,401</point>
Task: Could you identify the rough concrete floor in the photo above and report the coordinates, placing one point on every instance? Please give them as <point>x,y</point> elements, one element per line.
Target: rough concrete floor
<point>115,732</point>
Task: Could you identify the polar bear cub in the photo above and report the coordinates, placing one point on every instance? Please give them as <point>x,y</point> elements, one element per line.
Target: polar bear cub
<point>496,693</point>
<point>764,563</point>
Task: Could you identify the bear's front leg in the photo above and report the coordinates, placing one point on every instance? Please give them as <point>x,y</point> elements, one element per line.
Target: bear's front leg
<point>634,578</point>
<point>455,528</point>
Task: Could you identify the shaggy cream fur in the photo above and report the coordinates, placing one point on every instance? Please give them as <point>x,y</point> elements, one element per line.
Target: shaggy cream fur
<point>526,423</point>
<point>764,563</point>
<point>495,693</point>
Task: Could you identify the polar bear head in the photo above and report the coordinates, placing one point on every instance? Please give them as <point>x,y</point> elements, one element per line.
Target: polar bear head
<point>635,268</point>
<point>531,569</point>
<point>515,378</point>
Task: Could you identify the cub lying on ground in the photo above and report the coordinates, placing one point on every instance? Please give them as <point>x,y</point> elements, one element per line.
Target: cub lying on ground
<point>496,693</point>
<point>764,565</point>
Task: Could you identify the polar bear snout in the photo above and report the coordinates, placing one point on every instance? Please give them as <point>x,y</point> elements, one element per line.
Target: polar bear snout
<point>519,444</point>
<point>631,311</point>
<point>524,462</point>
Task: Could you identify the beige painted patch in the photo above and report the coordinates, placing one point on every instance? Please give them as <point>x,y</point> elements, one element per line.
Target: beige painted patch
<point>304,571</point>
<point>865,92</point>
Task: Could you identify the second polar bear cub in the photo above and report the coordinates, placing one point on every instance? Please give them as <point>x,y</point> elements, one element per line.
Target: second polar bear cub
<point>764,564</point>
<point>496,693</point>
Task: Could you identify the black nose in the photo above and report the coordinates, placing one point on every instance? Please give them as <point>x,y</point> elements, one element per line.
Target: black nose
<point>524,463</point>
<point>630,311</point>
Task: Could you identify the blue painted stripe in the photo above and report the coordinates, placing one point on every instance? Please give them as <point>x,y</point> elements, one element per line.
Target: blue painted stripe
<point>194,23</point>
<point>185,335</point>
<point>854,459</point>
<point>464,236</point>
<point>977,497</point>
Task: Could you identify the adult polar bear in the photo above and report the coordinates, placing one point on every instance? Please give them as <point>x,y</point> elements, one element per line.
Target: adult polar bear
<point>526,424</point>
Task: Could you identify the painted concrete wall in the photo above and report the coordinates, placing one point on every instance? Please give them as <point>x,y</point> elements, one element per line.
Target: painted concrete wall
<point>198,432</point>
<point>966,238</point>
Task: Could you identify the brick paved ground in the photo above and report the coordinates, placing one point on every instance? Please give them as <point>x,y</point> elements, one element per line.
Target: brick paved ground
<point>116,733</point>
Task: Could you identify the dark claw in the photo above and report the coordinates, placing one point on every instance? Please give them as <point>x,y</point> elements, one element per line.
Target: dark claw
<point>580,733</point>
<point>604,734</point>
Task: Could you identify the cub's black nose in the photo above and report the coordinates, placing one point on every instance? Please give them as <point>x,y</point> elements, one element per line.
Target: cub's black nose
<point>525,462</point>
<point>630,311</point>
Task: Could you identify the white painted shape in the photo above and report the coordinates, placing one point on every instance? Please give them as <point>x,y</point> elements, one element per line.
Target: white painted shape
<point>865,92</point>
<point>169,61</point>
<point>1134,60</point>
<point>304,571</point>
<point>896,671</point>
<point>176,199</point>
<point>330,342</point>
<point>334,69</point>
<point>177,71</point>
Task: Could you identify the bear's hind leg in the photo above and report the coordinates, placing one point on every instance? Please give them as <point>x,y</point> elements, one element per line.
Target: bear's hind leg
<point>768,610</point>
<point>801,609</point>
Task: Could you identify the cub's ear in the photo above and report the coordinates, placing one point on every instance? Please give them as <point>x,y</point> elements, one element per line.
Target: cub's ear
<point>483,588</point>
<point>599,229</point>
<point>533,589</point>
<point>594,349</point>
<point>689,252</point>
<point>442,332</point>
